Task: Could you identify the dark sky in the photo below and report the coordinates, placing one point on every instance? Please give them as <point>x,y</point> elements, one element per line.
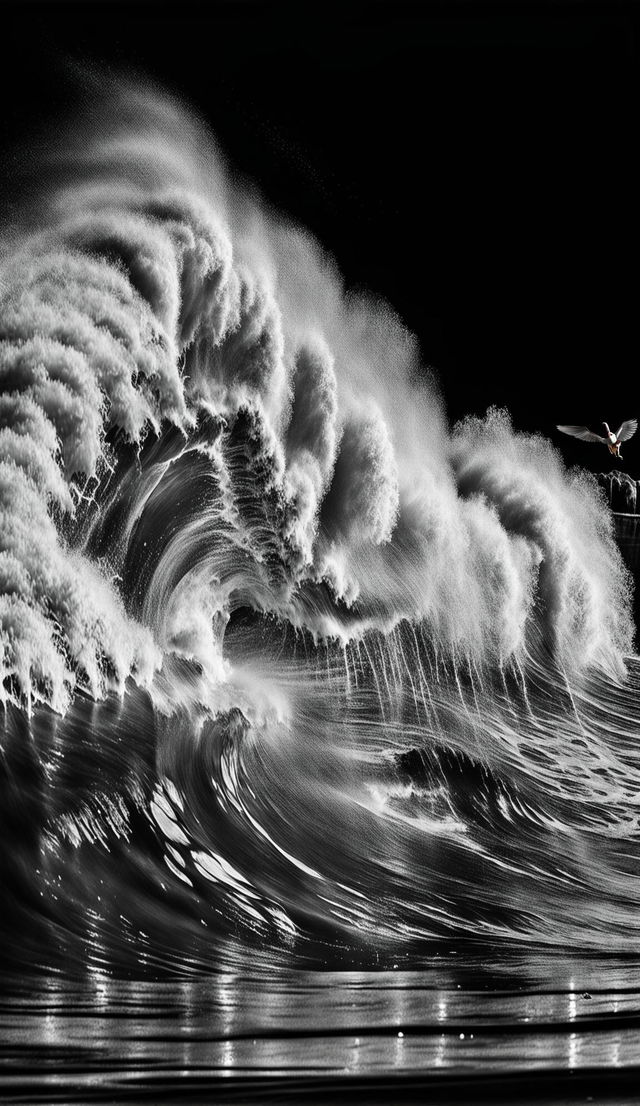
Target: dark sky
<point>474,164</point>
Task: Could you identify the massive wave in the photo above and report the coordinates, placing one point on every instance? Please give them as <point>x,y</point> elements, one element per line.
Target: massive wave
<point>284,659</point>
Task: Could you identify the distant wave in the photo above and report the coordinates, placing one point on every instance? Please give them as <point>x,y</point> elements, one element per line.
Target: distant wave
<point>330,666</point>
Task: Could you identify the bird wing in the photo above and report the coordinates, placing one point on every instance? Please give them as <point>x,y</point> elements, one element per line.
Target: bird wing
<point>627,430</point>
<point>583,433</point>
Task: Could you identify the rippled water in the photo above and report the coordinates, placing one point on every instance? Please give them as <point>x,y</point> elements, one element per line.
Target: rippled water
<point>464,1027</point>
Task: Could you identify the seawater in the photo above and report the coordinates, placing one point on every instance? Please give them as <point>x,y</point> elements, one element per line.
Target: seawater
<point>320,723</point>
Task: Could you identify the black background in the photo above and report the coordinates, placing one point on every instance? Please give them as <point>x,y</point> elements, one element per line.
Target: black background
<point>474,164</point>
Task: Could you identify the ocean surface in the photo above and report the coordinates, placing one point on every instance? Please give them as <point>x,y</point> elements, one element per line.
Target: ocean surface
<point>319,723</point>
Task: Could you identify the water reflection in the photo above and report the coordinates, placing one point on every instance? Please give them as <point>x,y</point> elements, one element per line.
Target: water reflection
<point>333,1025</point>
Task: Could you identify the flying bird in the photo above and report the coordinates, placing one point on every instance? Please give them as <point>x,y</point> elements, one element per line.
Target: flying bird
<point>612,441</point>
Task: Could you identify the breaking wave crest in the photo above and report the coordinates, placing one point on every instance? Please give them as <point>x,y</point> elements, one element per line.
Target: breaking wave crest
<point>326,665</point>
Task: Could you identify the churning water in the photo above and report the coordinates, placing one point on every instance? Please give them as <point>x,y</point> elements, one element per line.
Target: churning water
<point>320,723</point>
